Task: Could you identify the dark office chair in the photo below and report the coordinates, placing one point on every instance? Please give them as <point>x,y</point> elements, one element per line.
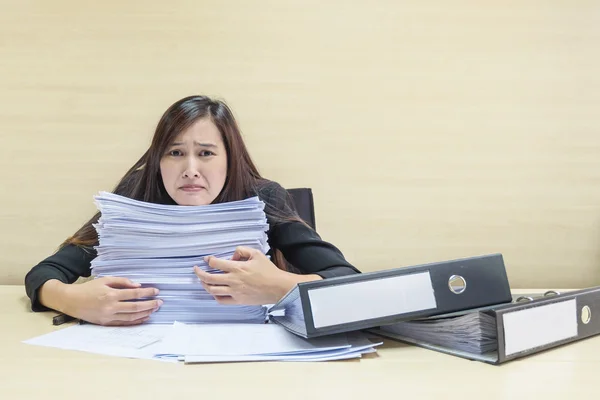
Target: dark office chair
<point>304,203</point>
<point>302,200</point>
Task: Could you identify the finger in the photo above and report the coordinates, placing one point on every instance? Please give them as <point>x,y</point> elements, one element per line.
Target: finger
<point>226,300</point>
<point>217,290</point>
<point>128,317</point>
<point>117,282</point>
<point>128,323</point>
<point>131,294</point>
<point>243,253</point>
<point>212,279</point>
<point>224,265</point>
<point>137,306</point>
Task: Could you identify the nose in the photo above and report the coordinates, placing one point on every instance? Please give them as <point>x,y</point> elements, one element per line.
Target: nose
<point>191,168</point>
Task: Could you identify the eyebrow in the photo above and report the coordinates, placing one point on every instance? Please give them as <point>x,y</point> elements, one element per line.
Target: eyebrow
<point>195,143</point>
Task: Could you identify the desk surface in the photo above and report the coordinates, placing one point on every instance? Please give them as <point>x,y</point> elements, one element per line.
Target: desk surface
<point>398,370</point>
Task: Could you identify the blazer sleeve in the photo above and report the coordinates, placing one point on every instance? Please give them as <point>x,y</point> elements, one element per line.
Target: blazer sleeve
<point>300,244</point>
<point>67,265</point>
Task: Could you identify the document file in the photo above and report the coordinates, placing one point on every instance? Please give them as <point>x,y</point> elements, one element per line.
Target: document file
<point>355,302</point>
<point>500,333</point>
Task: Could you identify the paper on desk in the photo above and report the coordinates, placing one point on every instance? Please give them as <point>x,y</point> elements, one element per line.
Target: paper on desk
<point>206,343</point>
<point>241,339</point>
<point>127,341</point>
<point>358,345</point>
<point>241,358</point>
<point>257,342</point>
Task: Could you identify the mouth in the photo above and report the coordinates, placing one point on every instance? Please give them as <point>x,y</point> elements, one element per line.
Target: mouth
<point>191,188</point>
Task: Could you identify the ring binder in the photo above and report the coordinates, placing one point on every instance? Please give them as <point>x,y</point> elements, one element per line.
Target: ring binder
<point>528,325</point>
<point>372,299</point>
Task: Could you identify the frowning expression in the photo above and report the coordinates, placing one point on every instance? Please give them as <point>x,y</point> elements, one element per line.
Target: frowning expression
<point>194,167</point>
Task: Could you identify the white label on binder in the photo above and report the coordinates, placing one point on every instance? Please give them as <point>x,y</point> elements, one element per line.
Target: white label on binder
<point>334,305</point>
<point>539,326</point>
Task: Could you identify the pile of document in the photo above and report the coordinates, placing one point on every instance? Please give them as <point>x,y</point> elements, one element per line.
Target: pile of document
<point>207,343</point>
<point>158,246</point>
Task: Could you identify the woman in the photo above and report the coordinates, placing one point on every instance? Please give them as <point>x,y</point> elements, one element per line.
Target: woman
<point>197,157</point>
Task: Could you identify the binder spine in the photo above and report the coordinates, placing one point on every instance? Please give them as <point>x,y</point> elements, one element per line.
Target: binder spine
<point>585,313</point>
<point>437,288</point>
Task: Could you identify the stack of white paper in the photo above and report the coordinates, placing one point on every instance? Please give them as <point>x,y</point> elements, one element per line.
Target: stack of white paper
<point>158,246</point>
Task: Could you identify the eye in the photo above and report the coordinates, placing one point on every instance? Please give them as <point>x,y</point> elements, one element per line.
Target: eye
<point>175,153</point>
<point>206,153</point>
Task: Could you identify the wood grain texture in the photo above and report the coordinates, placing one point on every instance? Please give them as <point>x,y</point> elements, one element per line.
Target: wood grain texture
<point>427,131</point>
<point>556,374</point>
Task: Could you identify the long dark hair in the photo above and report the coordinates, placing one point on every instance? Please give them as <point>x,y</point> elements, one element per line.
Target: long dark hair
<point>143,181</point>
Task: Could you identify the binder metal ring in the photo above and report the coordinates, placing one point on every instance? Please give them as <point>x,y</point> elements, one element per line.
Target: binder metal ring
<point>586,315</point>
<point>551,293</point>
<point>457,284</point>
<point>524,298</point>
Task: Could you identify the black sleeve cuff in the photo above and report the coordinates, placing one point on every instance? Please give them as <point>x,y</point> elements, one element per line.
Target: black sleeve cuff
<point>336,271</point>
<point>33,286</point>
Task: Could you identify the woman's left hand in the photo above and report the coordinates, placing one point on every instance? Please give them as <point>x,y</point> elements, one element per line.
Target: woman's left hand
<point>248,278</point>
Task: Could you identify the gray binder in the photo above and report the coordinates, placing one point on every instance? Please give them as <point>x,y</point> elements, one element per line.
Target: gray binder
<point>529,325</point>
<point>372,299</point>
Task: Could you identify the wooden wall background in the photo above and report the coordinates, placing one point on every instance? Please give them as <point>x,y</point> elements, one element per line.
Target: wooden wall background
<point>427,130</point>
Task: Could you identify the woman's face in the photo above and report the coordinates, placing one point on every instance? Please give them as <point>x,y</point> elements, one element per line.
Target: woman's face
<point>194,167</point>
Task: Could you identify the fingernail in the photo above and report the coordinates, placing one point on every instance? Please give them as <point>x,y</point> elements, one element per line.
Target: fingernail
<point>206,258</point>
<point>160,303</point>
<point>155,292</point>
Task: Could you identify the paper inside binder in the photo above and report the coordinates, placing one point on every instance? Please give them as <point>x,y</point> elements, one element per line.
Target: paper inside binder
<point>473,333</point>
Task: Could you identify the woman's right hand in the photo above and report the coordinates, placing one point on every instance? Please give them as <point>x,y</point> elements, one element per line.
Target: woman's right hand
<point>102,301</point>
